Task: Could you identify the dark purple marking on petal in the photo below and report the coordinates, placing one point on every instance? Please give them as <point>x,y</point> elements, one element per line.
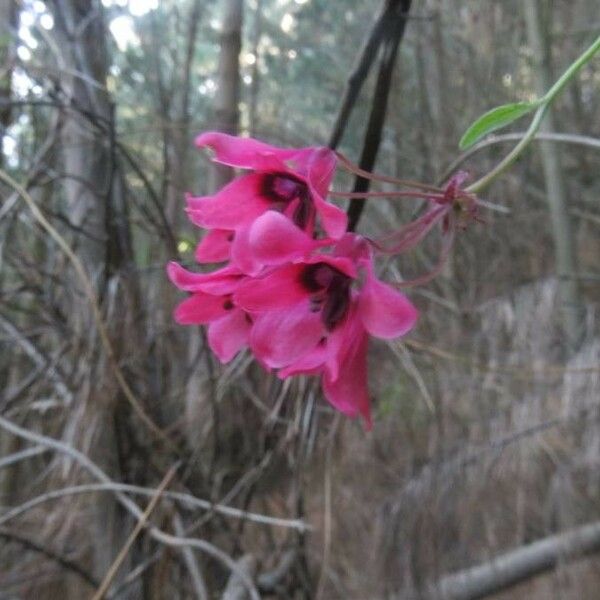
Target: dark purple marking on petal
<point>330,292</point>
<point>282,189</point>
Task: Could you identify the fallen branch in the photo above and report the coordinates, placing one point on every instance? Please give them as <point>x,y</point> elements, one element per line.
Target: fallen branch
<point>518,565</point>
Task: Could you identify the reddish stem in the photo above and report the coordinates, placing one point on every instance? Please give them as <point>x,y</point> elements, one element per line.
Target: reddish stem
<point>408,194</point>
<point>377,177</point>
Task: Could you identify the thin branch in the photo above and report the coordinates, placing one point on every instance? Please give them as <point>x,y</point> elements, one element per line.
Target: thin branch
<point>269,581</point>
<point>187,500</point>
<point>363,64</point>
<point>190,561</point>
<point>38,359</point>
<point>115,566</point>
<point>153,195</point>
<point>67,564</point>
<point>379,106</point>
<point>568,138</point>
<point>234,590</point>
<point>22,455</point>
<point>91,296</point>
<point>155,533</point>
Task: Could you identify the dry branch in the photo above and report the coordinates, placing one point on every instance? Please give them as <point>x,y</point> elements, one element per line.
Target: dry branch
<point>518,565</point>
<point>132,507</point>
<point>394,33</point>
<point>187,500</point>
<point>114,568</point>
<point>65,563</point>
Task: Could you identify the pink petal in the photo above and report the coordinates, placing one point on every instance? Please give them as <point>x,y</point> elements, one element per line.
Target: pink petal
<point>234,206</point>
<point>281,288</point>
<point>321,163</point>
<point>220,282</point>
<point>331,351</point>
<point>281,337</point>
<point>229,334</point>
<point>349,391</point>
<point>242,255</point>
<point>245,153</point>
<point>412,234</point>
<point>215,246</point>
<point>341,263</point>
<point>343,338</point>
<point>354,247</point>
<point>333,218</point>
<point>274,239</point>
<point>309,364</point>
<point>200,309</point>
<point>385,312</point>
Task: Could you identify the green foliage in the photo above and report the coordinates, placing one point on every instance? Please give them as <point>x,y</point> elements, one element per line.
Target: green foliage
<point>497,118</point>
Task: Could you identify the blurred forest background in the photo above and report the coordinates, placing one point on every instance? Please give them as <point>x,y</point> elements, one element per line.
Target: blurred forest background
<point>483,467</point>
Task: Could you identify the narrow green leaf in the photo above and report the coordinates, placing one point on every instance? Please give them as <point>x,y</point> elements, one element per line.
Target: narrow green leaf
<point>495,119</point>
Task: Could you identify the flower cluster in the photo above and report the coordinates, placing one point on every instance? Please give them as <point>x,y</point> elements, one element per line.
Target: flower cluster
<point>297,288</point>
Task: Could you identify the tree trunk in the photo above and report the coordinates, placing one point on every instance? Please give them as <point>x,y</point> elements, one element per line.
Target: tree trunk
<point>255,83</point>
<point>178,139</point>
<point>564,244</point>
<point>96,204</point>
<point>228,86</point>
<point>86,157</point>
<point>8,24</point>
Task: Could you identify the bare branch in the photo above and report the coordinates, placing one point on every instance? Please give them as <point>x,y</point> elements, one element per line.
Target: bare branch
<point>91,296</point>
<point>64,562</point>
<point>363,63</point>
<point>114,568</point>
<point>187,500</point>
<point>395,27</point>
<point>133,508</point>
<point>190,561</point>
<point>518,565</point>
<point>37,357</point>
<point>22,455</point>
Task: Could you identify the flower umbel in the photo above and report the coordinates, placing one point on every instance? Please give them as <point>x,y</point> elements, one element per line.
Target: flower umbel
<point>299,290</point>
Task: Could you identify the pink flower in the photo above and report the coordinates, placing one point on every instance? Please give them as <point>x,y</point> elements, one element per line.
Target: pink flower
<point>313,316</point>
<point>453,209</point>
<point>294,182</point>
<point>297,289</point>
<point>211,304</point>
<point>215,246</point>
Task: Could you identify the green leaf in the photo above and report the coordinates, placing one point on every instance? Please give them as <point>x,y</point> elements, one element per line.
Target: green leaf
<point>495,119</point>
